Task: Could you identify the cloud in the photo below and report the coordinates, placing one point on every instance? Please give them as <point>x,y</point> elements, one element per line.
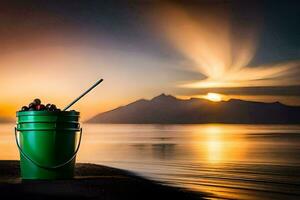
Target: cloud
<point>220,51</point>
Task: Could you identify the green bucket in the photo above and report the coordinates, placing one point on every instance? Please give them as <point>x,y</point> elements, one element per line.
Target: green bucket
<point>48,143</point>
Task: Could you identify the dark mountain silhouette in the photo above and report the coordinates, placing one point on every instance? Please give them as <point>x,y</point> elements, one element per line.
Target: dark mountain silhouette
<point>166,109</point>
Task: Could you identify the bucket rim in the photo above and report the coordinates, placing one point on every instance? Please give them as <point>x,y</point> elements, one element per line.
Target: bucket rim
<point>47,113</point>
<point>47,129</point>
<point>47,122</point>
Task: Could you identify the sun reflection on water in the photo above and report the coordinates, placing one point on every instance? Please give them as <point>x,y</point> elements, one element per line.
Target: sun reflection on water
<point>218,144</point>
<point>214,144</point>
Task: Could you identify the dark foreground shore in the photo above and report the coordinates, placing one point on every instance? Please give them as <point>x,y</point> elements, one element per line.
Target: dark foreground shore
<point>91,182</point>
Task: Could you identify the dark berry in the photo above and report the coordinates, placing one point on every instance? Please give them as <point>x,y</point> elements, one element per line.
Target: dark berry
<point>57,110</point>
<point>31,105</point>
<point>52,107</point>
<point>37,101</point>
<point>40,107</point>
<point>31,109</point>
<point>48,106</point>
<point>24,108</point>
<point>43,107</point>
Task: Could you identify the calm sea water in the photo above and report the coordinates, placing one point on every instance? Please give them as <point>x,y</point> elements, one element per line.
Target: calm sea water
<point>227,161</point>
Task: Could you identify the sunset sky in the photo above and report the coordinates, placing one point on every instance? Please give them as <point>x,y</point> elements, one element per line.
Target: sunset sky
<point>56,49</point>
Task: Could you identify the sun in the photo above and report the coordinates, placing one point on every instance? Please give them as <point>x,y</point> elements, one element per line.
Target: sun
<point>213,97</point>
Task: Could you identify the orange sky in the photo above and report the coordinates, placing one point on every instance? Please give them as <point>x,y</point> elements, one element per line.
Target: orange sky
<point>171,49</point>
<point>59,74</point>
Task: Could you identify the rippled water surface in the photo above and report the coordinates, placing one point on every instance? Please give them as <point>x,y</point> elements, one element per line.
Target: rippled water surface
<point>226,161</point>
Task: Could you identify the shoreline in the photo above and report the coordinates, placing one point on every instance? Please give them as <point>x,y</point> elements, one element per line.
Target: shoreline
<point>91,181</point>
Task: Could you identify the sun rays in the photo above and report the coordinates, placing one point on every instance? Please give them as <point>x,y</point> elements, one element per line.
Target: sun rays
<point>217,52</point>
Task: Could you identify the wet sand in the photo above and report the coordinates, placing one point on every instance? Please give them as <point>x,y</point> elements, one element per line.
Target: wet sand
<point>91,182</point>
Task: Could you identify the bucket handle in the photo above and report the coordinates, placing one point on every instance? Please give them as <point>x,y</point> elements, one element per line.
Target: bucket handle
<point>43,166</point>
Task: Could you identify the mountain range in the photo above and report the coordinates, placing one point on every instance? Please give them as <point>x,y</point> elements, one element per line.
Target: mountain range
<point>167,109</point>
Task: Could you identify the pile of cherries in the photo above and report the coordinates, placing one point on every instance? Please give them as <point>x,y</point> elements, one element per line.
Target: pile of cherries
<point>37,105</point>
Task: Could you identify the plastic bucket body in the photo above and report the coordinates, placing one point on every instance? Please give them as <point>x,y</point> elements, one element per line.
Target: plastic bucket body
<point>48,143</point>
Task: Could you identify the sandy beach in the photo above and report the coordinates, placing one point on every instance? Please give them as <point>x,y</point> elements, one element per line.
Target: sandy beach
<point>91,182</point>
